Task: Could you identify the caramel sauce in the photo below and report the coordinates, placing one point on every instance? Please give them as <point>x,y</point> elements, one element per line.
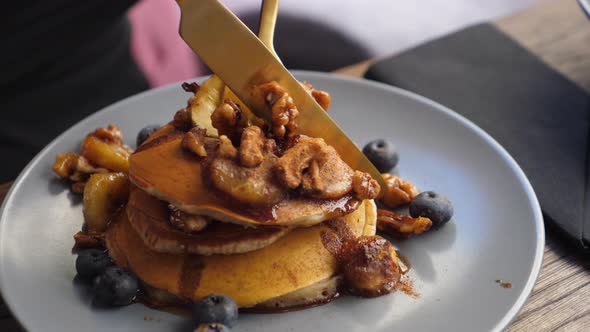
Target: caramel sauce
<point>279,310</point>
<point>88,239</point>
<point>184,309</point>
<point>152,217</point>
<point>190,276</point>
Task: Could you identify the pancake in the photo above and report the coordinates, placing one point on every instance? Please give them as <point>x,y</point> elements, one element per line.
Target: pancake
<point>162,168</point>
<point>150,219</point>
<point>288,266</point>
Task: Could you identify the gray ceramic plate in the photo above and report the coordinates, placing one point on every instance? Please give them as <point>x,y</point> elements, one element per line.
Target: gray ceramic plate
<point>585,4</point>
<point>497,231</point>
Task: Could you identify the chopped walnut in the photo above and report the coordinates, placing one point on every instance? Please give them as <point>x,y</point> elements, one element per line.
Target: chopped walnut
<point>229,120</point>
<point>283,109</point>
<point>364,186</point>
<point>398,191</point>
<point>322,97</point>
<point>194,141</point>
<point>316,167</point>
<point>399,226</point>
<point>111,134</point>
<point>187,222</point>
<point>183,119</point>
<point>75,167</point>
<point>226,149</point>
<point>251,147</point>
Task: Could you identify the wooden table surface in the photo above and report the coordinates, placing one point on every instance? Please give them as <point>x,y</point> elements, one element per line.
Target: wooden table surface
<point>559,33</point>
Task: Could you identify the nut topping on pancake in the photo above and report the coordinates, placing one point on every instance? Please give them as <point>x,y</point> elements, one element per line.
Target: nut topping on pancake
<point>398,191</point>
<point>364,186</point>
<point>253,146</point>
<point>316,168</point>
<point>322,97</point>
<point>194,141</point>
<point>283,109</point>
<point>229,120</point>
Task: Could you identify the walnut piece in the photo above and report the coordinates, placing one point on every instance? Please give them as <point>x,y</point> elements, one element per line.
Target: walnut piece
<point>364,186</point>
<point>398,191</point>
<point>229,120</point>
<point>187,222</point>
<point>226,149</point>
<point>75,167</point>
<point>283,109</point>
<point>252,147</point>
<point>194,141</point>
<point>399,226</point>
<point>111,134</point>
<point>322,97</point>
<point>316,167</point>
<point>183,119</point>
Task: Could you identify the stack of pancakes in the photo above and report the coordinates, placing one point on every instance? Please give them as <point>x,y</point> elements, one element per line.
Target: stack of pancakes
<point>270,257</point>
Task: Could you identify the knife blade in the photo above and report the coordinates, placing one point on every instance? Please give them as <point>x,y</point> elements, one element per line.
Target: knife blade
<point>241,60</point>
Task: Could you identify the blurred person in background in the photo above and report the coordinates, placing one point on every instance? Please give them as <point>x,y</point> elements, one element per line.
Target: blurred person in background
<point>64,60</point>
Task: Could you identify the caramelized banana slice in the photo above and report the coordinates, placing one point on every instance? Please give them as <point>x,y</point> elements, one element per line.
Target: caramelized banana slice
<point>110,155</point>
<point>205,101</point>
<point>103,195</point>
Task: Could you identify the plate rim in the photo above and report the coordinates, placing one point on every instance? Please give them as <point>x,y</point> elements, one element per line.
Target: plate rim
<point>585,4</point>
<point>510,314</point>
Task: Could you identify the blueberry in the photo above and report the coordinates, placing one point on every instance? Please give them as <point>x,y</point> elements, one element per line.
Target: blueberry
<point>145,132</point>
<point>212,327</point>
<point>115,287</point>
<point>92,262</point>
<point>432,205</point>
<point>382,154</point>
<point>216,308</point>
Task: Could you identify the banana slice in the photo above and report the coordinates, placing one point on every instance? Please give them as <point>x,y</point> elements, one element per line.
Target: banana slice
<point>205,101</point>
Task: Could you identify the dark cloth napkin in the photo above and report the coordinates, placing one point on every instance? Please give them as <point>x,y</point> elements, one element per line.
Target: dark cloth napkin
<point>538,115</point>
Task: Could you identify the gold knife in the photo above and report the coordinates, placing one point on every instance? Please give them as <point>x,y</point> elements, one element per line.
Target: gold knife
<point>241,60</point>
